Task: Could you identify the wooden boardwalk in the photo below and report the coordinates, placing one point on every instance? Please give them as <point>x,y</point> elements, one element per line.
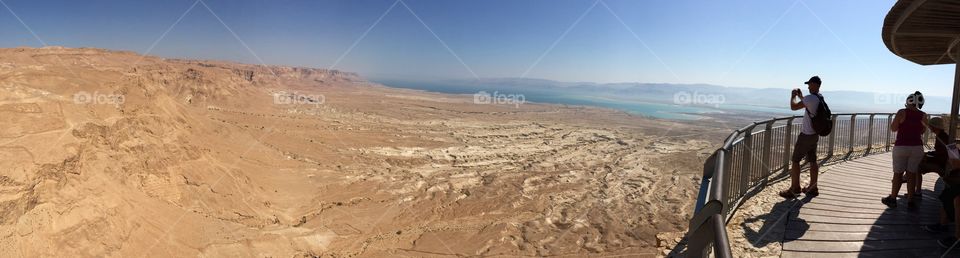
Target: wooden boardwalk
<point>848,220</point>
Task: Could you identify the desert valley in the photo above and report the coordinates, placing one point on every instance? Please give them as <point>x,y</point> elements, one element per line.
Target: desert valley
<point>108,153</point>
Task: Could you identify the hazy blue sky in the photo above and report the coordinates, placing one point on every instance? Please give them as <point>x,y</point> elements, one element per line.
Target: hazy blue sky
<point>733,43</point>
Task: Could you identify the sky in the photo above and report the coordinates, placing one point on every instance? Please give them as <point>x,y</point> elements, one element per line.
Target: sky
<point>760,44</point>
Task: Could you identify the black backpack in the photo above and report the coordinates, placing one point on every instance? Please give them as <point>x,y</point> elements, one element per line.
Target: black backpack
<point>823,120</point>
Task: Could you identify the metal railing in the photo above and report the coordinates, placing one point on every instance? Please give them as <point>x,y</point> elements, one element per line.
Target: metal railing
<point>759,153</point>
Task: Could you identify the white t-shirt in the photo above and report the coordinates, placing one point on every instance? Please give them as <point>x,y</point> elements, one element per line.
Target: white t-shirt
<point>812,103</point>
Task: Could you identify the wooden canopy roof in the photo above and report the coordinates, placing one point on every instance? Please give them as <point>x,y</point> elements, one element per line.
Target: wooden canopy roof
<point>926,32</point>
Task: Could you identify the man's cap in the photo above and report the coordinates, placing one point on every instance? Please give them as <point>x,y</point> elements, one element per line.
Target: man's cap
<point>936,122</point>
<point>815,79</point>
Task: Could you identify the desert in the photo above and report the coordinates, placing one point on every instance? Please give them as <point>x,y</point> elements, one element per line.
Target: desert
<point>111,153</point>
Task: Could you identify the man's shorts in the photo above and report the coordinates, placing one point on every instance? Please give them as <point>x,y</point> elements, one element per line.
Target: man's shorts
<point>806,147</point>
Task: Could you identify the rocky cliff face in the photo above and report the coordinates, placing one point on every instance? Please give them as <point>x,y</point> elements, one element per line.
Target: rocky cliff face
<point>268,74</point>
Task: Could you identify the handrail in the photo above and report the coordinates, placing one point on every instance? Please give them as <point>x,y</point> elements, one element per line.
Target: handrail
<point>759,152</point>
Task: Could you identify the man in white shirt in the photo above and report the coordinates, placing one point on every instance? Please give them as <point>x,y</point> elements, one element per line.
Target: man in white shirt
<point>806,145</point>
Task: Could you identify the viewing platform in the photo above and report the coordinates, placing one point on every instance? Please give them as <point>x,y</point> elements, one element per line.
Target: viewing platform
<point>739,213</point>
<point>848,220</point>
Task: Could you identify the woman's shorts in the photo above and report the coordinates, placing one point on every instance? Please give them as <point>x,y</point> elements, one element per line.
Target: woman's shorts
<point>907,158</point>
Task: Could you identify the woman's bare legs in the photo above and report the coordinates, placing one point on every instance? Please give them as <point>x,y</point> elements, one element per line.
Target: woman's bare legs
<point>895,187</point>
<point>919,184</point>
<point>911,184</point>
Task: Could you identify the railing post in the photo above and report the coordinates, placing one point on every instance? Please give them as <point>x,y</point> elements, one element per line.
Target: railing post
<point>745,169</point>
<point>832,139</point>
<point>787,144</point>
<point>870,136</point>
<point>926,134</point>
<point>889,121</point>
<point>724,178</point>
<point>853,125</point>
<point>767,137</point>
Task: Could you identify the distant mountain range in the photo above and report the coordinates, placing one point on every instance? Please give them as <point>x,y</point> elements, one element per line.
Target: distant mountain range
<point>716,96</point>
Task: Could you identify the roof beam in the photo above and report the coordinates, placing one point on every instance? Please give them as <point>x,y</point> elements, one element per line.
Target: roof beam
<point>925,34</point>
<point>903,18</point>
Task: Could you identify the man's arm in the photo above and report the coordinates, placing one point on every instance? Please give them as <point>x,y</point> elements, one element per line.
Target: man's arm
<point>796,105</point>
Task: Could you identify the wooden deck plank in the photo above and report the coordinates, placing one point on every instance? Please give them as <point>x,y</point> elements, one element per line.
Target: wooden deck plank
<point>886,253</point>
<point>863,215</point>
<point>859,228</point>
<point>909,233</point>
<point>827,191</point>
<point>923,206</point>
<point>867,210</point>
<point>858,246</point>
<point>848,220</point>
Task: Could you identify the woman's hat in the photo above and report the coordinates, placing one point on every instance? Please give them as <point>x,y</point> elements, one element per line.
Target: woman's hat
<point>915,99</point>
<point>936,122</point>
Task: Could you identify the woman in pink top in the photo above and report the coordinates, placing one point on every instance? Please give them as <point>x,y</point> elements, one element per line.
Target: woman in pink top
<point>910,124</point>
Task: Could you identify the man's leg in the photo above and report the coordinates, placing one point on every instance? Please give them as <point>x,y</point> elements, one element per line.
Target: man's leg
<point>946,211</point>
<point>814,173</point>
<point>951,242</point>
<point>799,150</point>
<point>794,189</point>
<point>956,216</point>
<point>943,217</point>
<point>811,157</point>
<point>795,177</point>
<point>946,202</point>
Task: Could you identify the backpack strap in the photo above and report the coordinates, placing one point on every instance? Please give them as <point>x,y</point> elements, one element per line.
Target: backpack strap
<point>805,107</point>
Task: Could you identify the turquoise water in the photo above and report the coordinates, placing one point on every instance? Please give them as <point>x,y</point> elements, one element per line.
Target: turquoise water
<point>663,110</point>
<point>650,109</point>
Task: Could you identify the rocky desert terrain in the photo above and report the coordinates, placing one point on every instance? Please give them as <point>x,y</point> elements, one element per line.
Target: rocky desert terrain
<point>108,153</point>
